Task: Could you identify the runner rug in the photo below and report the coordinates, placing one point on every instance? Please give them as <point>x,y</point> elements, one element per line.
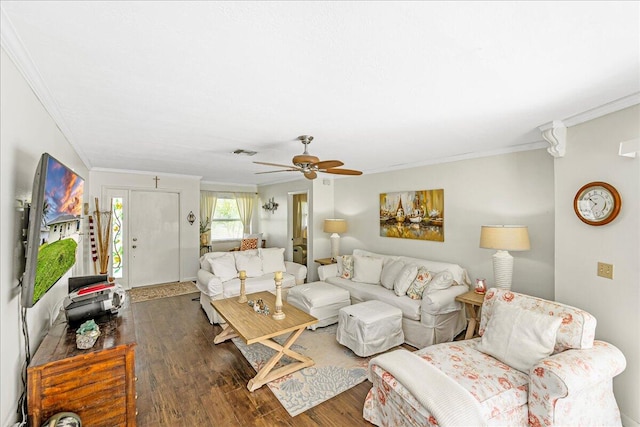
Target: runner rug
<point>336,369</point>
<point>146,293</point>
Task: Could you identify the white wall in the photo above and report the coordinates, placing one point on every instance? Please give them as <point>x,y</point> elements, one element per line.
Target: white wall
<point>27,131</point>
<point>515,188</point>
<point>592,155</point>
<point>187,186</point>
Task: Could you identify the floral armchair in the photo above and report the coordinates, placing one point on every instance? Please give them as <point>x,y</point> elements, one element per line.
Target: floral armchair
<point>570,384</point>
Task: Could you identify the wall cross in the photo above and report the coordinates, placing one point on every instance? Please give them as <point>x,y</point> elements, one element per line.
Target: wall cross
<point>156,179</point>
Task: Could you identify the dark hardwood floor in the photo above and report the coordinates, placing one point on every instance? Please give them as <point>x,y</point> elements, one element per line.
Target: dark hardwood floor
<point>185,380</point>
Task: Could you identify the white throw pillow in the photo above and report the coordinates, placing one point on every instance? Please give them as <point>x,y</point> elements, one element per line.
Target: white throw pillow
<point>224,267</point>
<point>440,281</point>
<point>272,260</point>
<point>405,279</point>
<point>390,271</point>
<point>367,269</point>
<point>519,337</point>
<point>252,264</point>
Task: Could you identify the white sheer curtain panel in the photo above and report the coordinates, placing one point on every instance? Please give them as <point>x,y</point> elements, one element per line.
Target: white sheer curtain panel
<point>245,209</point>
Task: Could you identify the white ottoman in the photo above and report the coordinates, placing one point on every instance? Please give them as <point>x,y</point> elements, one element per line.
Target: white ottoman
<point>321,300</point>
<point>370,327</point>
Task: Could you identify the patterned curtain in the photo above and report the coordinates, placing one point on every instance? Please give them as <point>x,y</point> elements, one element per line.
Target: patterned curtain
<point>245,209</point>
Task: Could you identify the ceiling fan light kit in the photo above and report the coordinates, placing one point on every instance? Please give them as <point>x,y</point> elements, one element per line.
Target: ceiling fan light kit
<point>309,165</point>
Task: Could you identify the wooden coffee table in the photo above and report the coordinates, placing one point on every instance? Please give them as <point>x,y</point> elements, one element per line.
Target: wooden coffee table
<point>253,328</point>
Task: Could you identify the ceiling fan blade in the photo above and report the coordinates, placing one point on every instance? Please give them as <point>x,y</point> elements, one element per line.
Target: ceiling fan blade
<point>281,170</point>
<point>343,171</point>
<point>328,164</point>
<point>311,175</point>
<point>278,165</point>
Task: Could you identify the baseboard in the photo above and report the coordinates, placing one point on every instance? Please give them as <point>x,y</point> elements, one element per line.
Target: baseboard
<point>628,422</point>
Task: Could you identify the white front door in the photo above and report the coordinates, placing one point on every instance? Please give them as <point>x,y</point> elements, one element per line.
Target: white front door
<point>154,238</point>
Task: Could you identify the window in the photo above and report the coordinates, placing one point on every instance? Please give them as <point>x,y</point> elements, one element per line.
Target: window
<point>226,223</point>
<point>117,243</point>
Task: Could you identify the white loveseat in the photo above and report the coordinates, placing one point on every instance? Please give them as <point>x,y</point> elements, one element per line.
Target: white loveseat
<point>218,275</point>
<point>433,317</point>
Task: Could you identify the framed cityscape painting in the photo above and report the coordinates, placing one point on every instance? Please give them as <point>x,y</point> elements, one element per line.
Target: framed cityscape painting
<point>413,215</point>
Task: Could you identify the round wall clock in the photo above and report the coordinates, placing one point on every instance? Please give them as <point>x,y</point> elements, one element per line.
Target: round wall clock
<point>597,203</point>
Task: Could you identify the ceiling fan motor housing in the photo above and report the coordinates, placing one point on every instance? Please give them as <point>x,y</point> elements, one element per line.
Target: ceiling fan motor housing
<point>303,160</point>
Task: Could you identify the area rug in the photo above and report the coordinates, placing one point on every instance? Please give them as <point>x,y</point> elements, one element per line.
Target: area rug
<point>336,369</point>
<point>147,293</point>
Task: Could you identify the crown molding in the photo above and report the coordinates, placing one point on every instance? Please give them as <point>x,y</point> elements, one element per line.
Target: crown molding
<point>13,46</point>
<point>603,110</point>
<point>465,156</point>
<point>138,172</point>
<point>555,132</point>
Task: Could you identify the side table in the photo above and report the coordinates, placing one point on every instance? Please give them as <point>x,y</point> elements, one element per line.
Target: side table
<point>472,300</point>
<point>325,261</point>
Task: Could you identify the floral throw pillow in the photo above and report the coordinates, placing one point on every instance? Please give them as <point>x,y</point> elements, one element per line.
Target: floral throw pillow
<point>248,244</point>
<point>347,267</point>
<point>418,285</point>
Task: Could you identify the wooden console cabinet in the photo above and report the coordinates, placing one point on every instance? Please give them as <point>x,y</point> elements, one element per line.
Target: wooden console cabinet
<point>98,384</point>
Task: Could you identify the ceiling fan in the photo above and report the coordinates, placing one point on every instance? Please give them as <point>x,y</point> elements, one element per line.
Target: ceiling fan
<point>309,165</point>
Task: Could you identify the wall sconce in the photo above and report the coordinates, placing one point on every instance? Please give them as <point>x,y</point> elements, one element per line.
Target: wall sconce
<point>270,206</point>
<point>191,218</point>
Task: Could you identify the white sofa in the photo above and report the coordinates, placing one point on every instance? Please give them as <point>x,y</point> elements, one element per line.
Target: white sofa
<point>434,319</point>
<point>218,275</point>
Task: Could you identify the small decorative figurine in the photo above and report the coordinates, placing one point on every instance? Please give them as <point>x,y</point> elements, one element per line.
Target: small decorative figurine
<point>259,306</point>
<point>481,286</point>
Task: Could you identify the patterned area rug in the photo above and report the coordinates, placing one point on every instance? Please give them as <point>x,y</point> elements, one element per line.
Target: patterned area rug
<point>146,293</point>
<point>337,369</point>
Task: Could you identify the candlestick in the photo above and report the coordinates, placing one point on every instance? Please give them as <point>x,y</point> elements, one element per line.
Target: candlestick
<point>278,313</point>
<point>242,298</point>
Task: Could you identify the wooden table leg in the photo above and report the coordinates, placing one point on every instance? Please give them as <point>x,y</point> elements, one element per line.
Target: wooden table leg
<point>472,321</point>
<point>226,334</point>
<point>267,374</point>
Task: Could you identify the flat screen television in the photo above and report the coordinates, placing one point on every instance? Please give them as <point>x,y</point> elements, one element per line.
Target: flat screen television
<point>53,228</point>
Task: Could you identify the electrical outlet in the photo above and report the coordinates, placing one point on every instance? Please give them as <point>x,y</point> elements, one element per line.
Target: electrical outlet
<point>605,270</point>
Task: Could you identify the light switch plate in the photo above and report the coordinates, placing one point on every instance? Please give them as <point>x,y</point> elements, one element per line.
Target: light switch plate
<point>605,270</point>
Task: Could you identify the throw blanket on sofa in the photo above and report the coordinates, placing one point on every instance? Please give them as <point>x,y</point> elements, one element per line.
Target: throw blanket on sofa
<point>445,399</point>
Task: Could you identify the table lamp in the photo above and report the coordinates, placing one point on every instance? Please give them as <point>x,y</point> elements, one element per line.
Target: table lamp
<point>335,226</point>
<point>504,238</point>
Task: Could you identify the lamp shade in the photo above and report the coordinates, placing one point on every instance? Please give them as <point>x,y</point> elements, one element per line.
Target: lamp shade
<point>505,237</point>
<point>335,226</point>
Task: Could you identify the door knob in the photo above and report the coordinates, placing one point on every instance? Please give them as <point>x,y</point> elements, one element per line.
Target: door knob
<point>134,246</point>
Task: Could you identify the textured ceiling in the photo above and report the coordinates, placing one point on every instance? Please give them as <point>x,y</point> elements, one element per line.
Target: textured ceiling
<point>175,87</point>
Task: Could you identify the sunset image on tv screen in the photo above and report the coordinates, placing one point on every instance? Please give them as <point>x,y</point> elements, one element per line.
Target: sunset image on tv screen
<point>60,227</point>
